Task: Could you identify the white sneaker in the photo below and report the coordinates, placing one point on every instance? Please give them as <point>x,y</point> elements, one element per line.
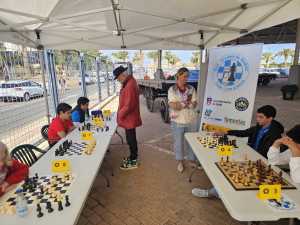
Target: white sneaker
<point>180,167</point>
<point>200,193</point>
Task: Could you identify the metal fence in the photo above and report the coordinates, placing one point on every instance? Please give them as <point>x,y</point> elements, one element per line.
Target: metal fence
<point>25,79</point>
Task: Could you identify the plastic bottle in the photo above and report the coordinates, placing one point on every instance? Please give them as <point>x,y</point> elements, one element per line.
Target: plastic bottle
<point>21,204</point>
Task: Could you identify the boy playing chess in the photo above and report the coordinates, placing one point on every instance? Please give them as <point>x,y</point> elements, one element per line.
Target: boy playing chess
<point>11,171</point>
<point>291,155</point>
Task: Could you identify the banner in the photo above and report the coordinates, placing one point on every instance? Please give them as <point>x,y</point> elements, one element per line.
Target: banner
<point>231,87</point>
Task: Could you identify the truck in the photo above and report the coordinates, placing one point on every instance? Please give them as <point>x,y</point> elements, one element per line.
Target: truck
<point>157,90</point>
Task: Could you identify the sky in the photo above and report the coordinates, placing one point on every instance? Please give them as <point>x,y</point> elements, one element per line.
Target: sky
<point>185,56</point>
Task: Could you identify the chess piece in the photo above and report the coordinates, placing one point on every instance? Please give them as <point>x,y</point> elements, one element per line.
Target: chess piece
<point>227,159</point>
<point>39,210</point>
<point>60,206</point>
<point>49,207</point>
<point>67,201</point>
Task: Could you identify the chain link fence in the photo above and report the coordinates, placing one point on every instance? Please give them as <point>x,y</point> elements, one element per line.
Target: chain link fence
<point>24,104</point>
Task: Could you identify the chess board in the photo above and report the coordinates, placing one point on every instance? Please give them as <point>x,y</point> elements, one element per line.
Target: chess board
<point>213,142</point>
<point>60,188</point>
<point>248,175</point>
<point>75,149</point>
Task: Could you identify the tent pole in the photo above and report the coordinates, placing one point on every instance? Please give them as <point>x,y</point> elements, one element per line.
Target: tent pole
<point>201,79</point>
<point>98,78</point>
<point>297,48</point>
<point>82,73</point>
<point>159,59</point>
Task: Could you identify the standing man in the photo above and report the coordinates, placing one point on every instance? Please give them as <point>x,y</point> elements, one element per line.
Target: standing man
<point>128,114</point>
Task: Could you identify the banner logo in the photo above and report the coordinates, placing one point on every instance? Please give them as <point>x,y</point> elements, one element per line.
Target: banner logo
<point>241,104</point>
<point>231,72</point>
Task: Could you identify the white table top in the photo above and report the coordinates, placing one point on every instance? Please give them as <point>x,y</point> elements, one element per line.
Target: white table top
<point>85,169</point>
<point>242,205</point>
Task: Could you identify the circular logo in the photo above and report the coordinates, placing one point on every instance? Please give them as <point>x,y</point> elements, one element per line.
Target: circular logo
<point>231,72</point>
<point>241,104</point>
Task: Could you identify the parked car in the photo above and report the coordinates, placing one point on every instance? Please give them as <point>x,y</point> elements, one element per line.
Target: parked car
<point>88,80</point>
<point>20,90</point>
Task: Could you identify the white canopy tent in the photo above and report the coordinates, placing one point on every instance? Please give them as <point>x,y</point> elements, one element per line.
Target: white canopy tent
<point>137,24</point>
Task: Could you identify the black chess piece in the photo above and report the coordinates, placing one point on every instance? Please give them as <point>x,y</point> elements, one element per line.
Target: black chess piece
<point>42,189</point>
<point>36,176</point>
<point>97,129</point>
<point>38,207</point>
<point>40,214</point>
<point>67,201</point>
<point>107,128</point>
<point>60,206</point>
<point>49,207</point>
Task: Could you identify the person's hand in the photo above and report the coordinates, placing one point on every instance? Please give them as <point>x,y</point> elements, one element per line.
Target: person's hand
<point>293,146</point>
<point>4,186</point>
<point>287,141</point>
<point>219,133</point>
<point>277,143</point>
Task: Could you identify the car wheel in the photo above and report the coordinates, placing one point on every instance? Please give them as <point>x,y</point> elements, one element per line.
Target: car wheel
<point>26,97</point>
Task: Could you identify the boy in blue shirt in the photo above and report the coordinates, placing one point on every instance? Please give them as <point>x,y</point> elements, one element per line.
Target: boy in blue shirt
<point>81,111</point>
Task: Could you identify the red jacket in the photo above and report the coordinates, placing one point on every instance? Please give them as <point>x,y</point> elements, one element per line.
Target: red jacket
<point>17,172</point>
<point>129,105</point>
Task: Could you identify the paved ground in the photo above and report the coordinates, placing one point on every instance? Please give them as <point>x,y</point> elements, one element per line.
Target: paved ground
<point>155,194</point>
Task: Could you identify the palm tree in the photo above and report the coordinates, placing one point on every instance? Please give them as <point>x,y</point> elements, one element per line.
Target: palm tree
<point>171,58</point>
<point>195,60</point>
<point>267,57</point>
<point>286,53</point>
<point>138,58</point>
<point>153,55</point>
<point>121,55</point>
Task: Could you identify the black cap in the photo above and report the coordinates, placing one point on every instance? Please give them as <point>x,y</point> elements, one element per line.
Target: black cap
<point>294,134</point>
<point>118,71</point>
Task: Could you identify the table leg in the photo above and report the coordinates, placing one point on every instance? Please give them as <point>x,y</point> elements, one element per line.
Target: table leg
<point>190,178</point>
<point>117,133</point>
<point>291,221</point>
<point>106,179</point>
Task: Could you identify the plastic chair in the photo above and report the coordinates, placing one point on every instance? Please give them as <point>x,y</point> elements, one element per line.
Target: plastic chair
<point>44,132</point>
<point>26,154</point>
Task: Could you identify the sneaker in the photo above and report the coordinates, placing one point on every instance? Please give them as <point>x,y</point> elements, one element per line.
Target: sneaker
<point>200,193</point>
<point>205,193</point>
<point>180,167</point>
<point>129,165</point>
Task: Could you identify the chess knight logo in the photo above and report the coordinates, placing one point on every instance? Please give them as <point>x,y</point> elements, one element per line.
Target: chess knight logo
<point>208,112</point>
<point>241,104</point>
<point>231,72</point>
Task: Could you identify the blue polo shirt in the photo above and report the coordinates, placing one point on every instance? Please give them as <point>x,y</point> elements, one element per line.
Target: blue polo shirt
<point>260,135</point>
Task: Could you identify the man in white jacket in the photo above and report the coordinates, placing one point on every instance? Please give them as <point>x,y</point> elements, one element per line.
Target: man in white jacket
<point>290,156</point>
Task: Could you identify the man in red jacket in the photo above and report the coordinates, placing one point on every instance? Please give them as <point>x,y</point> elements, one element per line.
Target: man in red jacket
<point>128,114</point>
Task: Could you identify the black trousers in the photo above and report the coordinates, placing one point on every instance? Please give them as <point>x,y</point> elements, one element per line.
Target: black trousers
<point>131,141</point>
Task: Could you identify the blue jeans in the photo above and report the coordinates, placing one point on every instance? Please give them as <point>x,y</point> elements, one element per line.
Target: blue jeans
<point>178,131</point>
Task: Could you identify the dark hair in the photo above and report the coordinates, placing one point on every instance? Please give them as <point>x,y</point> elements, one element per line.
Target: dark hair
<point>294,133</point>
<point>267,110</point>
<point>82,101</point>
<point>63,107</point>
<point>181,71</point>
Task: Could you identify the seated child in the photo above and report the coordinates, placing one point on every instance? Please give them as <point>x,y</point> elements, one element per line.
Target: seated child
<point>291,155</point>
<point>61,125</point>
<point>11,171</point>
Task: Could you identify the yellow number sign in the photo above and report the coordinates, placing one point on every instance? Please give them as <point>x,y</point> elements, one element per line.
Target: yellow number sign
<point>98,122</point>
<point>86,135</point>
<point>269,191</point>
<point>225,150</point>
<point>106,113</point>
<point>60,166</point>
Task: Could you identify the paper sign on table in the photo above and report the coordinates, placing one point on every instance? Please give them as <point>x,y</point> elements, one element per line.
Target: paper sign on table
<point>225,150</point>
<point>86,135</point>
<point>60,166</point>
<point>106,113</point>
<point>267,191</point>
<point>98,122</point>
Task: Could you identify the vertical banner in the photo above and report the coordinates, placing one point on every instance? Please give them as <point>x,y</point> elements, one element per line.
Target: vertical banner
<point>231,87</point>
